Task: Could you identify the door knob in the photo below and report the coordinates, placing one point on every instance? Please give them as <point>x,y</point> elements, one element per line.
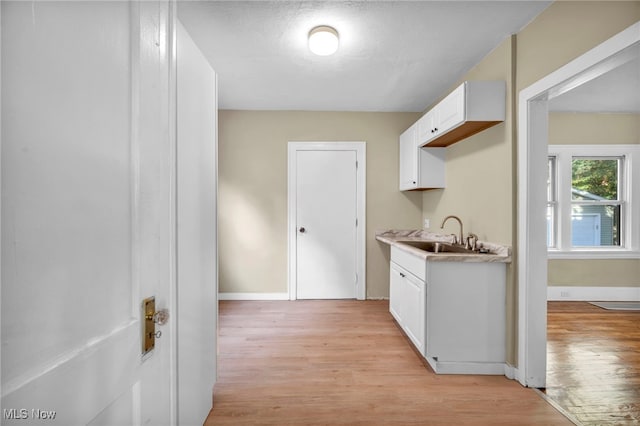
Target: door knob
<point>151,317</point>
<point>302,230</point>
<point>160,317</point>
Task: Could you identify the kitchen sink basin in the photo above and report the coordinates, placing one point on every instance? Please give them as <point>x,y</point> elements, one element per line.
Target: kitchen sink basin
<point>437,247</point>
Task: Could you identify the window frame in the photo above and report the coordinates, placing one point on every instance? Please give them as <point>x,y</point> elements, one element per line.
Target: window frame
<point>552,201</point>
<point>629,199</point>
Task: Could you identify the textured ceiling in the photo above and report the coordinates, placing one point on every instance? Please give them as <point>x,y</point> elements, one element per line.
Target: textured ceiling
<point>393,56</point>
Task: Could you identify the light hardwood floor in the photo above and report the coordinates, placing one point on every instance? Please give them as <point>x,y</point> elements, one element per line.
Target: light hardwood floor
<point>346,362</point>
<point>593,363</point>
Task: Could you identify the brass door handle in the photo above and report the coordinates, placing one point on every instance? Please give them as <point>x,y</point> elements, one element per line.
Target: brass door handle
<point>151,317</point>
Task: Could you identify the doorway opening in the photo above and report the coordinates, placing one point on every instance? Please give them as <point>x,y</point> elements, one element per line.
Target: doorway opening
<point>532,198</point>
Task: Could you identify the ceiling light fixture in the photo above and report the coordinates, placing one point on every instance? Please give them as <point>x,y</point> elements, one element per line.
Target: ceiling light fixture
<point>323,40</point>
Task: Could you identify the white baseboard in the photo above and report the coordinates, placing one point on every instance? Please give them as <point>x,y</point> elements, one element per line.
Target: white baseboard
<point>455,367</point>
<point>267,296</point>
<point>617,294</point>
<point>510,371</point>
<point>253,296</point>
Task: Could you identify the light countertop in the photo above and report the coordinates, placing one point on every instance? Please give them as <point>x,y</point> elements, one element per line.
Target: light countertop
<point>497,252</point>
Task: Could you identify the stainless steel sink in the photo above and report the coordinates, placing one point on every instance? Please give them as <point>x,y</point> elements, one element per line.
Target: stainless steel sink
<point>437,247</point>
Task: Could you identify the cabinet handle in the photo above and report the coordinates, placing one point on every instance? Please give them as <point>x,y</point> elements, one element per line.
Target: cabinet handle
<point>414,182</point>
<point>435,130</point>
<point>402,275</point>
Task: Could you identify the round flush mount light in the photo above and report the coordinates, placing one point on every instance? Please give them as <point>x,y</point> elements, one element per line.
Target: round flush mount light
<point>323,40</point>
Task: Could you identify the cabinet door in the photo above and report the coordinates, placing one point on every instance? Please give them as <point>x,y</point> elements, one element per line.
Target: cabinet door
<point>427,126</point>
<point>414,310</point>
<point>408,166</point>
<point>466,312</point>
<point>396,284</point>
<point>451,111</point>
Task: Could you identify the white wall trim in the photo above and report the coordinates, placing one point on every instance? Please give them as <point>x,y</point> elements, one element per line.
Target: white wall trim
<point>172,296</point>
<point>253,296</point>
<point>1,186</point>
<point>601,293</point>
<point>361,184</point>
<point>593,254</point>
<point>532,172</point>
<point>510,371</point>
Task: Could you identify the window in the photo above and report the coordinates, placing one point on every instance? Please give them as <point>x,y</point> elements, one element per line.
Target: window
<point>589,200</point>
<point>596,201</point>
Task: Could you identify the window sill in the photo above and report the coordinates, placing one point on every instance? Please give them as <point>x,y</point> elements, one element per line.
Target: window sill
<point>594,254</point>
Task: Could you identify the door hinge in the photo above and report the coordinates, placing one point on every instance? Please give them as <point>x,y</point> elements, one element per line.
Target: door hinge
<point>356,164</point>
<point>356,279</point>
<point>356,222</point>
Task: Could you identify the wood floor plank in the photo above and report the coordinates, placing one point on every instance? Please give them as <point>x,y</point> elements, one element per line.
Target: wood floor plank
<point>593,363</point>
<point>346,362</point>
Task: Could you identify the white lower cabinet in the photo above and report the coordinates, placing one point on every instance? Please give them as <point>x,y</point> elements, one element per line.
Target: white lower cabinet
<point>407,303</point>
<point>466,317</point>
<point>396,287</point>
<point>455,316</point>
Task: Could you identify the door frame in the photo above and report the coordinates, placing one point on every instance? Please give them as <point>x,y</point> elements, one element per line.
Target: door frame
<point>360,149</point>
<point>533,143</point>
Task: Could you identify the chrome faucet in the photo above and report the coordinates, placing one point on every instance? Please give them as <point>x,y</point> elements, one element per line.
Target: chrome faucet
<point>460,238</point>
<point>471,242</point>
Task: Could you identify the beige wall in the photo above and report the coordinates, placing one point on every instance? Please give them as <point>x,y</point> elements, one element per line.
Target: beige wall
<point>253,191</point>
<point>480,179</point>
<point>481,170</point>
<point>595,273</point>
<point>568,128</point>
<point>594,129</point>
<point>566,30</point>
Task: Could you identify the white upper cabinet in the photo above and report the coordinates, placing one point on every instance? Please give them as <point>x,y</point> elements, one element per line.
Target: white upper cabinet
<point>426,125</point>
<point>472,107</point>
<point>451,111</point>
<point>420,168</point>
<point>408,160</point>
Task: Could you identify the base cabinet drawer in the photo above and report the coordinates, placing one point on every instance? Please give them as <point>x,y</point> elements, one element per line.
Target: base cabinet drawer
<point>412,263</point>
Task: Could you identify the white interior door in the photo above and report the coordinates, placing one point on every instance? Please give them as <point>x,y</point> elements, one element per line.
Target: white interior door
<point>87,214</point>
<point>326,216</point>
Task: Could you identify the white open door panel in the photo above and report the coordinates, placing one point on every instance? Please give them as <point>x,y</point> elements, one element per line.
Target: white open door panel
<point>88,211</point>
